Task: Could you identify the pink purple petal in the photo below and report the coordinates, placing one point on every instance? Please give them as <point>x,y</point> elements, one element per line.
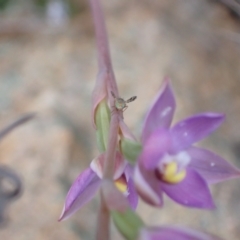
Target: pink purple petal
<point>133,196</point>
<point>174,233</point>
<point>161,112</point>
<point>148,186</point>
<point>82,191</point>
<point>193,191</point>
<point>155,147</point>
<point>129,171</point>
<point>210,166</point>
<point>194,129</point>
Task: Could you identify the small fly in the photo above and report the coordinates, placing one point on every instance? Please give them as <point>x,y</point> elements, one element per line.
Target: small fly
<point>121,104</point>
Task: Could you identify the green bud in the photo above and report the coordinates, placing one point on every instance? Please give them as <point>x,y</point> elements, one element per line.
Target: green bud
<point>130,149</point>
<point>103,124</point>
<point>128,223</point>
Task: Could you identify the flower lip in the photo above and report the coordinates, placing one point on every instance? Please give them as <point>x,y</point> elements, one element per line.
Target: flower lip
<point>172,168</point>
<point>171,173</point>
<point>121,184</point>
<point>182,159</point>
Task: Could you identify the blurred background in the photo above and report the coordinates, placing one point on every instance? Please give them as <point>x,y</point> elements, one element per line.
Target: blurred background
<point>48,65</point>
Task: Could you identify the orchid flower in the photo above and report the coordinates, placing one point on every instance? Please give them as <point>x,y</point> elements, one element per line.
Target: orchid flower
<point>166,160</point>
<point>170,163</point>
<point>88,183</point>
<point>173,232</point>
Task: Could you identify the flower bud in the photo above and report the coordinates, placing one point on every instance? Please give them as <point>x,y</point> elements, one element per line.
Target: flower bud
<point>102,123</point>
<point>128,223</point>
<point>130,149</point>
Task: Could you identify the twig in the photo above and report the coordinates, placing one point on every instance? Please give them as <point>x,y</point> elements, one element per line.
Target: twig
<point>233,5</point>
<point>15,124</point>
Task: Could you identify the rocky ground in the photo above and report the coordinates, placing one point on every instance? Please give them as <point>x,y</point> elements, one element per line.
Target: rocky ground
<point>52,71</point>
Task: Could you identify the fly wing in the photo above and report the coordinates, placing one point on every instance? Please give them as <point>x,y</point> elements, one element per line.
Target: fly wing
<point>131,99</point>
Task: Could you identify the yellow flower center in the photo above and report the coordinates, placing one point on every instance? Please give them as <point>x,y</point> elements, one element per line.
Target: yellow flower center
<point>171,173</point>
<point>121,185</point>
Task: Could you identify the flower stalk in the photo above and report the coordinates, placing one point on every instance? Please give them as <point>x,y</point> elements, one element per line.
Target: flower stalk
<point>106,73</point>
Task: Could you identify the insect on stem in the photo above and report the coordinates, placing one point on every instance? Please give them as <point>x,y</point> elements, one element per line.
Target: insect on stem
<point>120,103</point>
